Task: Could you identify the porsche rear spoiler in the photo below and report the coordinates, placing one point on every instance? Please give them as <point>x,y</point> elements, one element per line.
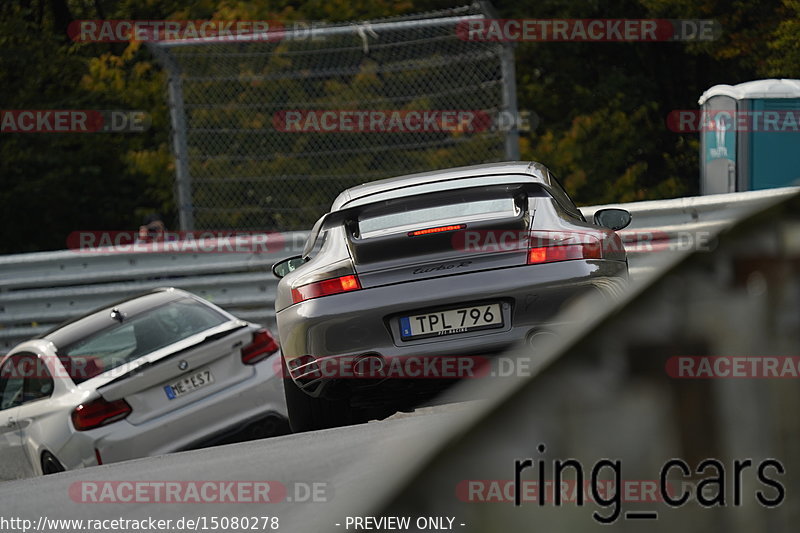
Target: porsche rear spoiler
<point>519,191</point>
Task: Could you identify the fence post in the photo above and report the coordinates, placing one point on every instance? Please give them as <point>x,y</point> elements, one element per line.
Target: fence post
<point>183,178</point>
<point>510,100</point>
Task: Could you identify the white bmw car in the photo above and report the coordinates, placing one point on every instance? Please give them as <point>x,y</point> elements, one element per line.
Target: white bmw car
<point>154,374</point>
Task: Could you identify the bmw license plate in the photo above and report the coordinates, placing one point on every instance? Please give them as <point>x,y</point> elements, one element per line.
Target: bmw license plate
<point>451,321</point>
<point>188,384</point>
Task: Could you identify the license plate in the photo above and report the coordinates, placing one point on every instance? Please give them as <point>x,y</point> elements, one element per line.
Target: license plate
<point>451,321</point>
<point>188,384</point>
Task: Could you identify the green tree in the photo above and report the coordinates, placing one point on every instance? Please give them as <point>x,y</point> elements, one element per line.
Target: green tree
<point>602,106</point>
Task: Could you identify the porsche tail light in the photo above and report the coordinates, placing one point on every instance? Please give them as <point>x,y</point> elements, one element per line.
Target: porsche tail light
<point>574,247</point>
<point>325,288</point>
<point>263,346</point>
<point>99,412</point>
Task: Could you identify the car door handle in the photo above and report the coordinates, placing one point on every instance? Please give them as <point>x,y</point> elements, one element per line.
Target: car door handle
<point>11,422</point>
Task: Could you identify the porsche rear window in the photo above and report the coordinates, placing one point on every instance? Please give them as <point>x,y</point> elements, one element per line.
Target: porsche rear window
<point>414,219</point>
<point>137,336</point>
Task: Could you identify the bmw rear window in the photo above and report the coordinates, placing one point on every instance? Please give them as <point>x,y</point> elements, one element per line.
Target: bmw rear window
<point>137,336</point>
<point>413,219</point>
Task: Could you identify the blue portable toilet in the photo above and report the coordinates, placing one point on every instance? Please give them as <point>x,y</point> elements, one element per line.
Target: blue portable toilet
<point>750,136</point>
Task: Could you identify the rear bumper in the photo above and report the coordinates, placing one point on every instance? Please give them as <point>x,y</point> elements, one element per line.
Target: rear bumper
<point>365,322</point>
<point>216,415</point>
<point>262,426</point>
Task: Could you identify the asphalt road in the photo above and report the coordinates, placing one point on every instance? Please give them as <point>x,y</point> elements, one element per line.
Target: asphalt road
<point>323,472</point>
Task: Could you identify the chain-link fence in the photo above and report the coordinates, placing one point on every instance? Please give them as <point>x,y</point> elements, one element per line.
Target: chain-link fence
<point>252,147</point>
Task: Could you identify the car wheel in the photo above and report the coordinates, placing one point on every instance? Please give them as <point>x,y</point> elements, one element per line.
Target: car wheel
<point>307,413</point>
<point>50,464</point>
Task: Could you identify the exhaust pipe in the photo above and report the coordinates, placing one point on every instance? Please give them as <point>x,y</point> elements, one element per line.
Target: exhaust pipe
<point>539,338</point>
<point>370,365</point>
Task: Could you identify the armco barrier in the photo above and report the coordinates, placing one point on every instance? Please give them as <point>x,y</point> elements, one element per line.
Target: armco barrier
<point>661,226</point>
<point>39,290</point>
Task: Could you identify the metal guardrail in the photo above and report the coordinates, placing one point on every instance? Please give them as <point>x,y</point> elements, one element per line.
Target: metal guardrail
<point>716,208</point>
<point>40,290</point>
<point>659,227</point>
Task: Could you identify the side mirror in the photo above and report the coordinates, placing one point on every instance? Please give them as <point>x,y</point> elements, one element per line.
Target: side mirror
<point>281,268</point>
<point>614,219</point>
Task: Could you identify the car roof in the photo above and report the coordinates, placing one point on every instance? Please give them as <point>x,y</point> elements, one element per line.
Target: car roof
<point>100,318</point>
<point>523,171</point>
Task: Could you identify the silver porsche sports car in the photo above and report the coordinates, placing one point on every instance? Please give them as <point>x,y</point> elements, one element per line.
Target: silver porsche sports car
<point>431,268</point>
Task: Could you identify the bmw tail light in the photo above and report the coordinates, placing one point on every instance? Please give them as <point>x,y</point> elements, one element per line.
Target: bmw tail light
<point>99,412</point>
<point>263,345</point>
<point>575,246</point>
<point>325,288</point>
